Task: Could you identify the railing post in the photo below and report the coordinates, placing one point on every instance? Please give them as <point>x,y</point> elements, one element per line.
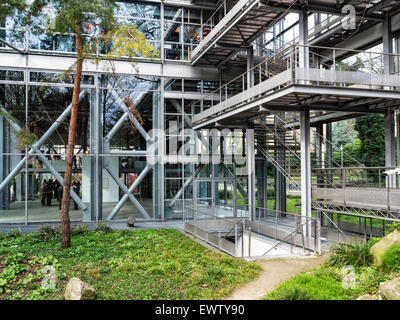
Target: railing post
<point>226,92</point>
<point>242,239</point>
<point>235,235</point>
<point>319,235</point>
<point>249,242</point>
<point>334,59</point>
<point>344,185</point>
<point>388,193</point>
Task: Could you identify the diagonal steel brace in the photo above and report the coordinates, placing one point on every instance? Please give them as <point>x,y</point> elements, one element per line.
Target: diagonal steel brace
<point>134,185</point>
<point>48,164</point>
<point>38,144</point>
<point>123,187</point>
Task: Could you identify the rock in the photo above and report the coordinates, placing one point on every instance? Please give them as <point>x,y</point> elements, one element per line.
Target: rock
<point>131,222</point>
<point>379,248</point>
<point>370,297</point>
<point>79,290</point>
<point>390,290</point>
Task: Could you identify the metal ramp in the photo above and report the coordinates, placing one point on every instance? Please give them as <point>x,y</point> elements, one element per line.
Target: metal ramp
<point>273,234</point>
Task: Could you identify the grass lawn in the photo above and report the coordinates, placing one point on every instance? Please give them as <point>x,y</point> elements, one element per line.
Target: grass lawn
<point>127,264</point>
<point>325,283</point>
<point>347,274</point>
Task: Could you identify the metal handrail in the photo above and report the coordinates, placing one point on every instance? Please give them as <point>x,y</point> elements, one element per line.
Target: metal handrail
<point>294,46</point>
<point>281,241</point>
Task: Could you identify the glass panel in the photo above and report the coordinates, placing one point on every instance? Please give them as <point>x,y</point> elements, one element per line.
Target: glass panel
<point>128,170</point>
<point>46,104</point>
<point>136,9</point>
<point>12,197</point>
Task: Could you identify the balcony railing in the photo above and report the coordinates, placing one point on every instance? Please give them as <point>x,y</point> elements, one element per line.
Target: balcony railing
<point>363,70</point>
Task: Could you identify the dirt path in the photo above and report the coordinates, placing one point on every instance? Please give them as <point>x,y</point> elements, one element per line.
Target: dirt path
<point>274,272</point>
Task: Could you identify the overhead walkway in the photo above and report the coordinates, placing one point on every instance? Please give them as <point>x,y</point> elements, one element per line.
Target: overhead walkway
<point>314,84</point>
<point>232,27</point>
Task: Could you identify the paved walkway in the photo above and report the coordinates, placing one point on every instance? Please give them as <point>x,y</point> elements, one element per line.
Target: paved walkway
<point>275,271</point>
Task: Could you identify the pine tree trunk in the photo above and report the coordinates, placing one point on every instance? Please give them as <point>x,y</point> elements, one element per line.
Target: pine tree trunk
<point>65,221</point>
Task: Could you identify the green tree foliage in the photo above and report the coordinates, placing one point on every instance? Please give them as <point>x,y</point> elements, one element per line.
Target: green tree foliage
<point>357,65</point>
<point>371,133</point>
<point>343,132</point>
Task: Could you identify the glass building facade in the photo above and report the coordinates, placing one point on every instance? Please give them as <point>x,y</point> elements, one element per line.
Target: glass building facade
<point>111,154</point>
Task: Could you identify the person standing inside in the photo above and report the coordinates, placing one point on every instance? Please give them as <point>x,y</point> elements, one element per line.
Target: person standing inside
<point>76,185</point>
<point>59,195</point>
<point>43,191</point>
<point>49,193</point>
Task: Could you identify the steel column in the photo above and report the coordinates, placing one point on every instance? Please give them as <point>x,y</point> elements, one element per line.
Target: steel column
<point>390,152</point>
<point>251,173</point>
<point>303,40</point>
<point>387,39</point>
<point>305,170</point>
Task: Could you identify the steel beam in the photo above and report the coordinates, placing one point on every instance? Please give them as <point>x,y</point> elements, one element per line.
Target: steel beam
<point>130,115</point>
<point>36,152</point>
<point>131,197</point>
<point>39,143</point>
<point>186,184</point>
<point>134,185</point>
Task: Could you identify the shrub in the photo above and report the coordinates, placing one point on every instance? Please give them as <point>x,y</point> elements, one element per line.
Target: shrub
<point>47,232</point>
<point>292,293</point>
<point>11,234</point>
<point>391,227</point>
<point>80,229</point>
<point>101,226</point>
<point>270,192</point>
<point>229,194</point>
<point>321,284</point>
<point>356,254</point>
<point>391,259</point>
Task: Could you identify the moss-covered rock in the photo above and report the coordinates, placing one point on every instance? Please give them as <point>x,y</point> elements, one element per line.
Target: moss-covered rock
<point>379,248</point>
<point>390,290</point>
<point>370,297</point>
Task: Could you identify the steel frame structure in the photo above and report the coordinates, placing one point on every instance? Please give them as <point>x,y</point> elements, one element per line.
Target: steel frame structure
<point>220,56</point>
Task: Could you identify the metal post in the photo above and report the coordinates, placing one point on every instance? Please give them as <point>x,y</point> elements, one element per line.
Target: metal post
<point>242,239</point>
<point>249,242</point>
<point>390,155</point>
<point>305,169</point>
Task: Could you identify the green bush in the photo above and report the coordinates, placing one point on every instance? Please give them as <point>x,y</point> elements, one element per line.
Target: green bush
<point>80,229</point>
<point>270,192</point>
<point>47,232</point>
<point>229,194</point>
<point>356,254</point>
<point>391,259</point>
<point>11,234</point>
<point>391,227</point>
<point>101,226</point>
<point>320,284</point>
<point>292,293</point>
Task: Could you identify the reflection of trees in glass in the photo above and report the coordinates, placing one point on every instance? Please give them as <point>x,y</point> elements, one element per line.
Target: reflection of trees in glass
<point>137,10</point>
<point>137,89</point>
<point>150,29</point>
